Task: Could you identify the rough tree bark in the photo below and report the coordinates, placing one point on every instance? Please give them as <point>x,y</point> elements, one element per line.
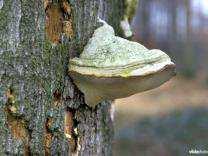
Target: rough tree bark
<point>41,110</point>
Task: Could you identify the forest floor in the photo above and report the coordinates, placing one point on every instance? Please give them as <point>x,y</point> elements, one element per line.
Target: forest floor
<point>169,120</point>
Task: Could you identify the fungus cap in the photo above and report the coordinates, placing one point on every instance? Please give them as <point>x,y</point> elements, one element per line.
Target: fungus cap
<point>111,67</point>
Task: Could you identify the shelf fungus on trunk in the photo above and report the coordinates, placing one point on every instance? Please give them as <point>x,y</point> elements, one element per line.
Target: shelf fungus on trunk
<point>111,67</point>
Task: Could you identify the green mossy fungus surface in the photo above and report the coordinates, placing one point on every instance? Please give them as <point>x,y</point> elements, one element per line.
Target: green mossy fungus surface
<point>107,55</point>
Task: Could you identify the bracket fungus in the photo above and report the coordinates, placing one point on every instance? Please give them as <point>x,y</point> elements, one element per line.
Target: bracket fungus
<point>111,67</point>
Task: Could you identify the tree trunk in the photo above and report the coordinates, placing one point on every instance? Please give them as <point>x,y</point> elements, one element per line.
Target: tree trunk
<point>41,111</point>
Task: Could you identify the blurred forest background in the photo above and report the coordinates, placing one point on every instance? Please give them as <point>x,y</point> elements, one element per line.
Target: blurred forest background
<point>172,119</point>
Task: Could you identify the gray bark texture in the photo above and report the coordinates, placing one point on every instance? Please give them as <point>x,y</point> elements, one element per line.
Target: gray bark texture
<point>41,111</point>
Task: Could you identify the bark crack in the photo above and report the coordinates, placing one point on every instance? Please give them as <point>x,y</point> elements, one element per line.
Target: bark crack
<point>16,122</point>
<point>71,131</point>
<point>58,20</point>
